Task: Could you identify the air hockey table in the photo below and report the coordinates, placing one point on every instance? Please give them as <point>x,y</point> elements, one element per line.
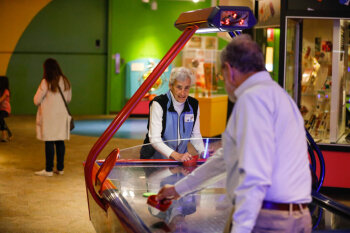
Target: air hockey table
<point>116,186</point>
<point>130,181</point>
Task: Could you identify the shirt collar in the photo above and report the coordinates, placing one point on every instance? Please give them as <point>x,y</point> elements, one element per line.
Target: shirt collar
<point>256,78</point>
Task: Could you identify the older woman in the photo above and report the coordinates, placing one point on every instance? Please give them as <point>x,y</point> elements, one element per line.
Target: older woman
<point>173,116</point>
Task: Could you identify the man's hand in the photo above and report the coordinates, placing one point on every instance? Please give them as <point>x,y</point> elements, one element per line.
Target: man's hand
<point>181,157</point>
<point>167,193</point>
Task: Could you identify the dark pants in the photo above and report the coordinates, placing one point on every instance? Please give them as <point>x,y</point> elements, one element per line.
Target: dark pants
<point>3,125</point>
<point>50,154</point>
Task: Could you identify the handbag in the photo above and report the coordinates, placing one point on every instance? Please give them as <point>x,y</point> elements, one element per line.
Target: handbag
<point>71,126</point>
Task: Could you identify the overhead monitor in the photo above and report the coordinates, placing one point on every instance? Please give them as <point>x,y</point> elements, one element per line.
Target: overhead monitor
<point>217,19</point>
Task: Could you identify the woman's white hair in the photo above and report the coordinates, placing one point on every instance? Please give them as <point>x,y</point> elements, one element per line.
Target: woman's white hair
<point>181,74</point>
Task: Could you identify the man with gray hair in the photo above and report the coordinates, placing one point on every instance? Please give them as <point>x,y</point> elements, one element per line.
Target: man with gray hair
<point>174,116</point>
<point>264,155</point>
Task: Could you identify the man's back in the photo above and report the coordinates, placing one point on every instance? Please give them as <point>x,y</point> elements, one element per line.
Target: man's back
<point>268,136</point>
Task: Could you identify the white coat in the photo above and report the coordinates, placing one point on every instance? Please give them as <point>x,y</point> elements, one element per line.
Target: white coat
<point>52,118</point>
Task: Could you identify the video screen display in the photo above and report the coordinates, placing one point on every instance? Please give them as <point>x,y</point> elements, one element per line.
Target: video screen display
<point>234,18</point>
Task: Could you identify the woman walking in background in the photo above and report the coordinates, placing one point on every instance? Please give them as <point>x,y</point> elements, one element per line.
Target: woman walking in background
<point>5,108</point>
<point>52,119</point>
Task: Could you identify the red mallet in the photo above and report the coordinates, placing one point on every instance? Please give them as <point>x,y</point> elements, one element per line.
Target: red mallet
<point>151,200</point>
<point>192,162</point>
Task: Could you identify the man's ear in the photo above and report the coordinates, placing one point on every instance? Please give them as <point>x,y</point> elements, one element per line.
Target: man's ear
<point>229,71</point>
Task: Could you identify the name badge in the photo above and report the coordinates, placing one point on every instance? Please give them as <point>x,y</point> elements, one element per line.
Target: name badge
<point>189,118</point>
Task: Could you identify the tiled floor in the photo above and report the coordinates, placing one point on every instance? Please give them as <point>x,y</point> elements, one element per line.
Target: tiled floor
<point>30,203</point>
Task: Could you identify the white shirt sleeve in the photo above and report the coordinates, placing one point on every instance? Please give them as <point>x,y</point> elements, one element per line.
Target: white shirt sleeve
<point>196,134</point>
<point>209,172</point>
<point>252,130</point>
<point>155,130</point>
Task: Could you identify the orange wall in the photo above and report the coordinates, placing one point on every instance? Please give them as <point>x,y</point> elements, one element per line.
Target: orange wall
<point>15,16</point>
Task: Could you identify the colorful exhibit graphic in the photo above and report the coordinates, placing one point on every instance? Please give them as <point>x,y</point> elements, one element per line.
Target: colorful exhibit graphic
<point>137,72</point>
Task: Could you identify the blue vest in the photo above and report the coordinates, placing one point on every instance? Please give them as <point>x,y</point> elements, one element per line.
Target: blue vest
<point>170,125</point>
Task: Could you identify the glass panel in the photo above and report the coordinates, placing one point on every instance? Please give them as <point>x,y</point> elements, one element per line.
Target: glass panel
<point>290,57</point>
<point>210,144</point>
<point>316,79</point>
<point>347,80</point>
<point>344,87</point>
<point>324,78</point>
<point>204,211</point>
<point>320,83</point>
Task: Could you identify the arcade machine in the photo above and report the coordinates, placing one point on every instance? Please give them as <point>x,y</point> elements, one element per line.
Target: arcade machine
<point>117,188</point>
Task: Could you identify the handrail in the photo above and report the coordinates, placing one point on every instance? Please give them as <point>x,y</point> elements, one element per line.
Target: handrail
<point>127,109</point>
<point>312,146</point>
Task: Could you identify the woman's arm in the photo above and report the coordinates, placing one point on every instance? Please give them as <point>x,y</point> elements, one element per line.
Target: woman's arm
<point>155,129</point>
<point>41,92</point>
<point>4,95</point>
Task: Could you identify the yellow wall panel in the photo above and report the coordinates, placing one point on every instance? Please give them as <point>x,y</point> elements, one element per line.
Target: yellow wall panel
<point>15,16</point>
<point>213,112</point>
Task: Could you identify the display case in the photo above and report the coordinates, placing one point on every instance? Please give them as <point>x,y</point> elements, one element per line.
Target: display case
<point>317,75</point>
<point>314,70</point>
<point>202,56</point>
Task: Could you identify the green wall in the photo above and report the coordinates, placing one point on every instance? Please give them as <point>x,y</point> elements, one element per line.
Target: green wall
<point>136,31</point>
<point>65,30</point>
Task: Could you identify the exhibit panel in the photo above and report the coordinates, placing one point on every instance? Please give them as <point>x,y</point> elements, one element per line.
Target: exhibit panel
<point>137,71</point>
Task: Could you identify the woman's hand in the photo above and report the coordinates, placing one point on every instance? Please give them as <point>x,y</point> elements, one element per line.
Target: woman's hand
<point>180,157</point>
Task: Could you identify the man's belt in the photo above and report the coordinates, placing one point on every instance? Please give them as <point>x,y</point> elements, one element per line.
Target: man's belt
<point>282,206</point>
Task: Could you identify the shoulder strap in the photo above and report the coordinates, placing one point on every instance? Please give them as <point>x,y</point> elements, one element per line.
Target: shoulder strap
<point>64,100</point>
